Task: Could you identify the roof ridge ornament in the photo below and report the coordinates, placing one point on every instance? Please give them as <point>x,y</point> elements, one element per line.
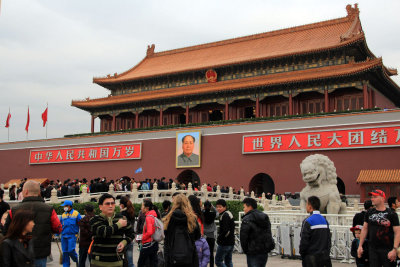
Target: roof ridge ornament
<point>150,50</point>
<point>355,28</point>
<point>352,12</point>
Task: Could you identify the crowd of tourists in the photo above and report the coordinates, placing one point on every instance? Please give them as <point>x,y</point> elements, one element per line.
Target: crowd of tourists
<point>183,233</point>
<point>72,187</point>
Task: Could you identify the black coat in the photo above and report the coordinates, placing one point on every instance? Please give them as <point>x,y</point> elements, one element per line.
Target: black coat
<point>255,233</point>
<point>42,231</point>
<point>15,254</point>
<point>226,232</point>
<point>179,220</point>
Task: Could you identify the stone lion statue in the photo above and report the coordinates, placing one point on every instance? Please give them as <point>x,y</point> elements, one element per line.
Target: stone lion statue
<point>319,173</point>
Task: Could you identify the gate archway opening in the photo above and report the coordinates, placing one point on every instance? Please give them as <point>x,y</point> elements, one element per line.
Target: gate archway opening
<point>341,186</point>
<point>189,176</point>
<point>262,183</point>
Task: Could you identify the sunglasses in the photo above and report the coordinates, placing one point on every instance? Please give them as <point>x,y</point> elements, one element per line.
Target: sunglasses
<point>109,203</point>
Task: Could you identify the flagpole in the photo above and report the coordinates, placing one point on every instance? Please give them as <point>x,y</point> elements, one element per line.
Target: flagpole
<point>27,124</point>
<point>47,121</point>
<point>8,128</point>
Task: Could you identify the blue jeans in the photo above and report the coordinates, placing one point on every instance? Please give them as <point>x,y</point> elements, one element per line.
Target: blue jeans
<point>40,262</point>
<point>257,260</point>
<point>129,254</point>
<point>224,254</point>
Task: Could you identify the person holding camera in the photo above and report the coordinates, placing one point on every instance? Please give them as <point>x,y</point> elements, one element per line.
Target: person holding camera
<point>111,235</point>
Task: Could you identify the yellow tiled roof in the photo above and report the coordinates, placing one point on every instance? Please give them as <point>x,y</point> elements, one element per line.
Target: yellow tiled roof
<point>379,176</point>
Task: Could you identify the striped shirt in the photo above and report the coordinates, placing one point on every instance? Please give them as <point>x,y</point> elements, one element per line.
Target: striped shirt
<point>107,234</point>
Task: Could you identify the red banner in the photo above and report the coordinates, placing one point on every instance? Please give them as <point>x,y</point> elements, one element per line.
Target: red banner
<point>86,154</point>
<point>322,140</point>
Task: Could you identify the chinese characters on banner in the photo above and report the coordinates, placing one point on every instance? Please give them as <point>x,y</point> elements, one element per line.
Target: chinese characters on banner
<point>86,154</point>
<point>323,140</point>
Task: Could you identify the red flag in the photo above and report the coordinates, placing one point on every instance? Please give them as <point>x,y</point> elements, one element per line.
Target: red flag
<point>27,122</point>
<point>8,120</point>
<point>44,117</point>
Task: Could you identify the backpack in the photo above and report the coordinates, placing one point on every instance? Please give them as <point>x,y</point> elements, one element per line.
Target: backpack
<point>158,235</point>
<point>181,247</point>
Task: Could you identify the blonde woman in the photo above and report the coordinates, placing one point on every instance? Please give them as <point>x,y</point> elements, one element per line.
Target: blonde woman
<point>181,232</point>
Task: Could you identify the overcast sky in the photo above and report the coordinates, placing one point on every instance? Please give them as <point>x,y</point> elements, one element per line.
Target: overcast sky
<point>50,50</point>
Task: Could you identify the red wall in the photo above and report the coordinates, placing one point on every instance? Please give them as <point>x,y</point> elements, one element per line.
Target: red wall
<point>221,160</point>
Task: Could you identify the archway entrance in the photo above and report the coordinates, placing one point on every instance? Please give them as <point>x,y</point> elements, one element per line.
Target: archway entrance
<point>262,183</point>
<point>189,176</point>
<point>341,186</point>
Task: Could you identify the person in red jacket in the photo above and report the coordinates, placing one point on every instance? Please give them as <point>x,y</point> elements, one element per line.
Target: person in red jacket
<point>148,251</point>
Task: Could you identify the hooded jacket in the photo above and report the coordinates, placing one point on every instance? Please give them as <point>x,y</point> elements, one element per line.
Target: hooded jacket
<point>226,233</point>
<point>179,220</point>
<point>149,227</point>
<point>255,233</point>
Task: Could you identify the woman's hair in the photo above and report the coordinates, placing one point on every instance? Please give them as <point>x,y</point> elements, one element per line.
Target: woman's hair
<point>195,203</point>
<point>18,223</point>
<point>128,205</point>
<point>181,202</point>
<point>207,205</point>
<point>148,204</point>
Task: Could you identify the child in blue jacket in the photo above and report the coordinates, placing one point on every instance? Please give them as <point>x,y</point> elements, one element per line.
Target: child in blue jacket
<point>203,252</point>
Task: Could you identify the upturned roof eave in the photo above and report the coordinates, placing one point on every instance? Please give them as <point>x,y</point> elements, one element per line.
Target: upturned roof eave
<point>112,80</point>
<point>124,99</point>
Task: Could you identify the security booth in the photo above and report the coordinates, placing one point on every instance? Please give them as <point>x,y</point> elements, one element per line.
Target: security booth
<point>386,180</point>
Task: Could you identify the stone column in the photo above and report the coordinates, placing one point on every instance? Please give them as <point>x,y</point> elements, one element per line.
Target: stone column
<point>190,189</point>
<point>241,194</point>
<point>134,193</point>
<point>53,197</point>
<point>92,124</point>
<point>113,123</point>
<point>252,195</point>
<point>266,205</point>
<point>136,120</point>
<point>6,195</point>
<point>370,98</point>
<point>155,193</point>
<point>187,114</point>
<point>257,107</point>
<point>85,197</point>
<point>111,190</point>
<point>365,95</point>
<point>263,198</point>
<point>204,191</point>
<point>226,111</point>
<point>290,104</point>
<point>2,187</point>
<point>326,108</point>
<point>161,117</point>
<point>356,204</point>
<point>218,192</point>
<point>230,193</point>
<point>273,202</point>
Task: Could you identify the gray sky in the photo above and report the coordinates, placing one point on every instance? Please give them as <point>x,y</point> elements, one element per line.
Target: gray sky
<point>51,49</point>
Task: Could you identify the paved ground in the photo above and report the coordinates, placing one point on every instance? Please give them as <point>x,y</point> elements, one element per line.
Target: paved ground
<point>238,260</point>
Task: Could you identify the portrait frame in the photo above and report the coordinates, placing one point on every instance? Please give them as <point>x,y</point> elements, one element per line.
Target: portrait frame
<point>181,161</point>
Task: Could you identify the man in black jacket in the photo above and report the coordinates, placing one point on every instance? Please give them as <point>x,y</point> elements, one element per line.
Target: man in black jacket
<point>315,242</point>
<point>46,221</point>
<point>226,235</point>
<point>255,234</point>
